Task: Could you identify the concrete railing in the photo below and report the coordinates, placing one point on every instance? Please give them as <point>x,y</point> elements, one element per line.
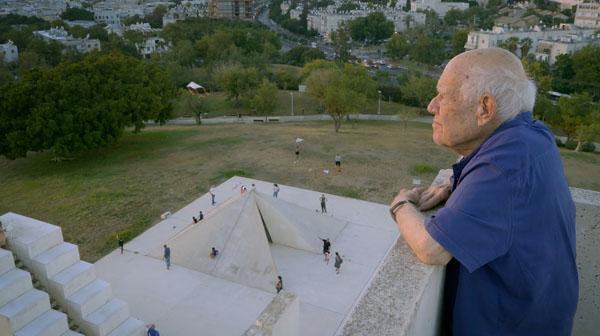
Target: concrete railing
<point>281,317</point>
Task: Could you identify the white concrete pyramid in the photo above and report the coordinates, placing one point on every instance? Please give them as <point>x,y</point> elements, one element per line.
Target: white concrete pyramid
<point>295,226</point>
<point>236,230</point>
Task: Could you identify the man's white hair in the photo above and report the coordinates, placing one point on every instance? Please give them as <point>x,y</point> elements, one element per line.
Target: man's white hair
<point>513,91</point>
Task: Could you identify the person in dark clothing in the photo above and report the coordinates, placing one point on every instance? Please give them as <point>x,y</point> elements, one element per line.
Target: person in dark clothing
<point>323,203</point>
<point>121,244</point>
<point>326,247</point>
<point>167,256</point>
<point>279,284</point>
<point>152,330</point>
<point>338,262</point>
<point>214,253</point>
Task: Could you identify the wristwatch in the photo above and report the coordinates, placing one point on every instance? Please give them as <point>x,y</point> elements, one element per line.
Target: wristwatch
<point>398,205</point>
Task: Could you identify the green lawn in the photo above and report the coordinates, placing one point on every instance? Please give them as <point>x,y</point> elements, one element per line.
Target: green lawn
<point>125,188</point>
<point>303,104</point>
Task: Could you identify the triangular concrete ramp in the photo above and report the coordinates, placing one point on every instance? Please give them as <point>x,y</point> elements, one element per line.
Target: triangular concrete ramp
<point>295,226</point>
<point>236,230</point>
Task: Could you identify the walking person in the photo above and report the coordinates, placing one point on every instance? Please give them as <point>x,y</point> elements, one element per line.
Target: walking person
<point>326,248</point>
<point>212,194</point>
<point>152,330</point>
<point>275,190</point>
<point>167,256</point>
<point>279,284</point>
<point>338,263</point>
<point>338,162</point>
<point>323,203</point>
<point>297,153</point>
<point>200,216</point>
<point>121,244</point>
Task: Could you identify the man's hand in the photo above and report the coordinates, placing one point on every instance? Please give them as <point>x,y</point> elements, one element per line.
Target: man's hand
<point>433,196</point>
<point>408,194</point>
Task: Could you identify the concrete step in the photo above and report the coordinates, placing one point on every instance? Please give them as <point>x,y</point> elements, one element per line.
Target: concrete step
<point>14,284</point>
<point>131,327</point>
<point>106,318</point>
<point>72,333</point>
<point>50,323</point>
<point>70,280</point>
<point>89,298</point>
<point>7,262</point>
<point>30,237</point>
<point>54,260</point>
<point>22,310</point>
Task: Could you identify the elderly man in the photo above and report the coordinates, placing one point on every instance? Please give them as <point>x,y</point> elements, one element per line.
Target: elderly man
<point>507,230</point>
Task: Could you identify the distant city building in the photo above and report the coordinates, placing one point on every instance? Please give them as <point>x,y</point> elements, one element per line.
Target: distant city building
<point>233,9</point>
<point>588,15</point>
<point>152,45</point>
<point>45,9</point>
<point>496,36</point>
<point>327,21</point>
<point>185,10</point>
<point>441,8</point>
<point>9,52</point>
<point>59,34</point>
<point>285,7</point>
<point>548,50</point>
<point>567,4</point>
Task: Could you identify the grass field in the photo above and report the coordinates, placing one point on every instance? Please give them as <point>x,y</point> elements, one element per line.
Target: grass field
<point>303,104</point>
<point>125,188</point>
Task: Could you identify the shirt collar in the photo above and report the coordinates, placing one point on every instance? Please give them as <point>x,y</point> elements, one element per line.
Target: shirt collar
<point>519,119</point>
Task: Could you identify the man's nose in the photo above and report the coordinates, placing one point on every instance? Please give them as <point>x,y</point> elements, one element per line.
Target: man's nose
<point>433,105</point>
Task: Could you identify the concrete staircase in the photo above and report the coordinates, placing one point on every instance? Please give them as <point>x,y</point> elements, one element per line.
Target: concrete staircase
<point>24,310</point>
<point>71,282</point>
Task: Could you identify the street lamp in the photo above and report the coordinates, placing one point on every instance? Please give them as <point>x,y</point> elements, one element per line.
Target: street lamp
<point>379,102</point>
<point>292,95</point>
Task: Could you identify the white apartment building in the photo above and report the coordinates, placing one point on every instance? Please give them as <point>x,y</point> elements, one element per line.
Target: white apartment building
<point>493,38</point>
<point>285,7</point>
<point>588,15</point>
<point>59,34</point>
<point>327,21</point>
<point>9,52</point>
<point>152,45</point>
<point>295,13</point>
<point>548,50</point>
<point>441,8</point>
<point>186,9</point>
<point>567,4</point>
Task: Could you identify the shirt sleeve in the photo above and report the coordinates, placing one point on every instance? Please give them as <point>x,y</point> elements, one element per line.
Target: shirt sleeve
<point>475,224</point>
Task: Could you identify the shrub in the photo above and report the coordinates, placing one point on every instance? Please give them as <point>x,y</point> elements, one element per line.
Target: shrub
<point>570,144</point>
<point>559,143</point>
<point>588,147</point>
<point>423,169</point>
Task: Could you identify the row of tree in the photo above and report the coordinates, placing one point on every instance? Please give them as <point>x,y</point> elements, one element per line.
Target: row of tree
<point>81,105</point>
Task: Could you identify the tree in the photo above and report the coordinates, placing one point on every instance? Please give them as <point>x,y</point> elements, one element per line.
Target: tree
<point>301,55</point>
<point>525,45</point>
<point>578,117</point>
<point>237,81</point>
<point>341,90</point>
<point>511,44</point>
<point>155,18</point>
<point>265,99</point>
<point>427,49</point>
<point>371,29</point>
<point>563,73</point>
<point>77,14</point>
<point>418,90</point>
<point>397,47</point>
<point>586,65</point>
<point>198,105</point>
<point>459,39</point>
<point>66,109</point>
<point>341,43</point>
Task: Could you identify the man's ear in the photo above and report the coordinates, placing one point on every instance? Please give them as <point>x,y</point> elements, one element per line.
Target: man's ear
<point>486,111</point>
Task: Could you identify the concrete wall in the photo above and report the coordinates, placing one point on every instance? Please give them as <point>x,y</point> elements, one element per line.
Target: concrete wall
<point>280,318</point>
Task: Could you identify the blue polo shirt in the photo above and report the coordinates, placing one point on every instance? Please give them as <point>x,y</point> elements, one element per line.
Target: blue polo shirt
<point>510,226</point>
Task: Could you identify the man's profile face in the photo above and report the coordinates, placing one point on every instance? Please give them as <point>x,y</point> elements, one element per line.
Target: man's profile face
<point>454,119</point>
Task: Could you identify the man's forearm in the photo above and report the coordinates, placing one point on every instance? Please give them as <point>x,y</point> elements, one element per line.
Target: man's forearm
<point>411,223</point>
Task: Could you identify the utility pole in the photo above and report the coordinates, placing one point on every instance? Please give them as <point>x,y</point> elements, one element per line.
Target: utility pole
<point>379,102</point>
<point>292,95</point>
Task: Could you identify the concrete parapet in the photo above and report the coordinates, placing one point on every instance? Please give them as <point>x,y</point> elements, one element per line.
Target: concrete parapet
<point>280,318</point>
<point>106,318</point>
<point>22,310</point>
